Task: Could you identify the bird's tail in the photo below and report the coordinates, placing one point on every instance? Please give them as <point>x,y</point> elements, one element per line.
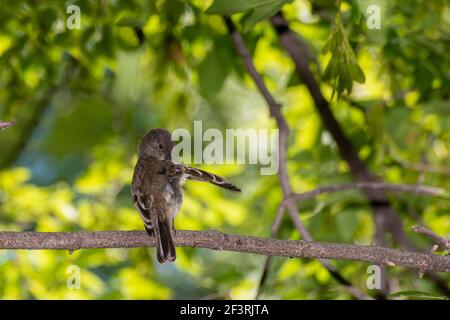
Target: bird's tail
<point>165,248</point>
<point>200,175</point>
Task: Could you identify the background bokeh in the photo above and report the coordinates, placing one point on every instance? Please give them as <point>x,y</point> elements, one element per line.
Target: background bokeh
<point>82,98</point>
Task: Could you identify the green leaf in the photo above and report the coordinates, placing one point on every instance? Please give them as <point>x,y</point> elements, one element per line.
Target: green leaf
<point>327,47</point>
<point>229,7</point>
<point>130,22</point>
<point>294,80</point>
<point>260,13</point>
<point>212,73</point>
<point>355,12</point>
<point>331,70</point>
<point>356,72</point>
<point>106,44</point>
<point>342,69</point>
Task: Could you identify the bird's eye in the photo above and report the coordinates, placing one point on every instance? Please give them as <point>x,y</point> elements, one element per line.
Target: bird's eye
<point>160,146</point>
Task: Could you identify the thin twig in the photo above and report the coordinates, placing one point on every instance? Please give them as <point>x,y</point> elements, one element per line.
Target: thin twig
<point>415,189</point>
<point>268,261</point>
<point>219,241</point>
<point>263,278</point>
<point>420,179</point>
<point>140,35</point>
<point>380,240</point>
<point>423,167</point>
<point>442,242</point>
<point>278,220</point>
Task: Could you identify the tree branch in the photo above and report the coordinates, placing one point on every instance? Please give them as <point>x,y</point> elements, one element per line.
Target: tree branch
<point>216,240</point>
<point>442,242</point>
<point>288,203</point>
<point>268,261</point>
<point>140,35</point>
<point>424,167</point>
<point>359,170</point>
<point>415,189</point>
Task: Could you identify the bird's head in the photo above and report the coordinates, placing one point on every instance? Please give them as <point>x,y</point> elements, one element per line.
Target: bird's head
<point>156,143</point>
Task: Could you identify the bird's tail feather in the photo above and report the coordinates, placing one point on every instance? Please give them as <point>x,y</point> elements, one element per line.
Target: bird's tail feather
<point>165,248</point>
<point>200,175</point>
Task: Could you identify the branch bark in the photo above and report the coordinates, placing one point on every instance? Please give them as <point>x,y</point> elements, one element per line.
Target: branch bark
<point>219,241</point>
<point>424,167</point>
<point>415,189</point>
<point>440,241</point>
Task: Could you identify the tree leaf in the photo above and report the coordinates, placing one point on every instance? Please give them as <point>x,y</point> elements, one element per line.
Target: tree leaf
<point>130,22</point>
<point>356,72</point>
<point>260,13</point>
<point>229,7</point>
<point>212,73</point>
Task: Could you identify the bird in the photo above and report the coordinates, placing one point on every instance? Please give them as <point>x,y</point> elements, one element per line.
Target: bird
<point>156,188</point>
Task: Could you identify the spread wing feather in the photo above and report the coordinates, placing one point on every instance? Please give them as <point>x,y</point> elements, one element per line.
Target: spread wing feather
<point>200,175</point>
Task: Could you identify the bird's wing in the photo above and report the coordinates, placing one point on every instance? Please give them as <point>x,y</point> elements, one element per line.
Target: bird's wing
<point>144,206</point>
<point>200,175</point>
<point>142,200</point>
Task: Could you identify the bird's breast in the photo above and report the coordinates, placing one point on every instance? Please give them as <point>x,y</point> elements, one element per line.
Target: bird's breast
<point>173,197</point>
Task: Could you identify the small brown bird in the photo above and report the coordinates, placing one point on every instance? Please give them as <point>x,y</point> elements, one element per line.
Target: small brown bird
<point>156,188</point>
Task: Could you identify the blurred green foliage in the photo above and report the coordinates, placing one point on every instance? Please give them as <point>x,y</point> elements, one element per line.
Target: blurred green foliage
<point>83,98</point>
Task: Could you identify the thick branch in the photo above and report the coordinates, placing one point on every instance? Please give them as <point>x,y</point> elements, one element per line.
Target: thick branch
<point>216,240</point>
